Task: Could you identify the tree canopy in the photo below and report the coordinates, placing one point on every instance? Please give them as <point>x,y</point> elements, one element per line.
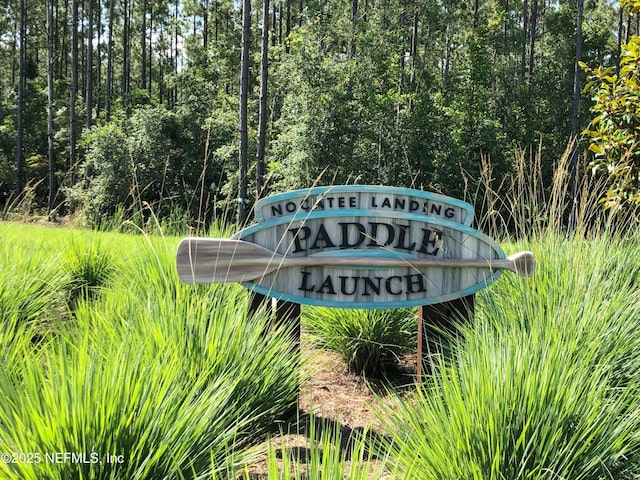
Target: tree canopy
<point>396,92</point>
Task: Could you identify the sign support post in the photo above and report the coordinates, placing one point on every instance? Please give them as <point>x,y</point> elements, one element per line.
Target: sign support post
<point>439,318</point>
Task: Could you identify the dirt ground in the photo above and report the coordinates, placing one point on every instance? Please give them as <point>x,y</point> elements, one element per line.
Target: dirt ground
<point>336,398</point>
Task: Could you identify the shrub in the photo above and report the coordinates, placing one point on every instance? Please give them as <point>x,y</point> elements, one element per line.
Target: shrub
<point>613,131</point>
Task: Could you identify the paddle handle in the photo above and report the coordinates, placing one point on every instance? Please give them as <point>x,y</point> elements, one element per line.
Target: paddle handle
<point>520,263</point>
<point>210,260</point>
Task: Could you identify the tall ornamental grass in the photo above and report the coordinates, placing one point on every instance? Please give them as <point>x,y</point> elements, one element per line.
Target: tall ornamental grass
<point>150,380</point>
<point>30,281</point>
<point>369,341</point>
<point>89,261</point>
<point>545,383</point>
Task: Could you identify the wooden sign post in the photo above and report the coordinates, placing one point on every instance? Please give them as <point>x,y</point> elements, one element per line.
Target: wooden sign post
<point>356,246</point>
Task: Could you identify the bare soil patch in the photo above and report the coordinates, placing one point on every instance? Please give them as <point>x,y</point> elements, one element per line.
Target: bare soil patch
<point>335,398</point>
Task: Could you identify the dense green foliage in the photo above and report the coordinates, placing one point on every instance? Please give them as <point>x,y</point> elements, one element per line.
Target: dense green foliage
<point>394,92</point>
<point>614,132</point>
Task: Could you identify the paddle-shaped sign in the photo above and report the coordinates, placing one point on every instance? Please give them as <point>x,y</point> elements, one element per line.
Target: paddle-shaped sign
<point>325,249</point>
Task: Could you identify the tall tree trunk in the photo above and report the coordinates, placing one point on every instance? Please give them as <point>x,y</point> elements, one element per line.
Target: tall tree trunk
<point>89,71</point>
<point>64,68</point>
<point>73,93</point>
<point>126,55</point>
<point>15,61</point>
<point>262,116</point>
<point>354,28</point>
<point>243,128</point>
<point>414,49</point>
<point>22,83</point>
<point>619,45</point>
<point>176,56</point>
<point>50,105</point>
<point>287,30</point>
<point>280,13</point>
<point>150,49</point>
<point>532,45</point>
<point>109,89</point>
<point>82,52</point>
<point>573,162</point>
<point>476,13</point>
<point>205,25</point>
<point>143,44</point>
<point>216,21</point>
<point>98,81</point>
<point>274,23</point>
<point>525,37</point>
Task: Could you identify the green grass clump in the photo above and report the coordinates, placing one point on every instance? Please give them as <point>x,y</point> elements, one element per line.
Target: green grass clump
<point>370,341</point>
<point>545,384</point>
<point>173,378</point>
<point>89,263</point>
<point>31,286</point>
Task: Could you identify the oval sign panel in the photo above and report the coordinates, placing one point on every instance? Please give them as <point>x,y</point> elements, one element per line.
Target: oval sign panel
<point>371,260</point>
<point>354,247</point>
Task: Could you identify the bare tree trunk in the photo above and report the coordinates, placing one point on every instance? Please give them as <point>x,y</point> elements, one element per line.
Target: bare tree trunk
<point>22,81</point>
<point>619,45</point>
<point>413,84</point>
<point>216,21</point>
<point>476,13</point>
<point>126,55</point>
<point>287,27</point>
<point>73,135</point>
<point>176,55</point>
<point>573,162</point>
<point>262,120</point>
<point>15,64</point>
<point>143,44</point>
<point>414,48</point>
<point>109,89</point>
<point>150,49</point>
<point>82,53</point>
<point>274,22</point>
<point>354,28</point>
<point>89,70</point>
<point>243,128</point>
<point>205,25</point>
<point>525,36</point>
<point>50,105</point>
<point>64,64</point>
<point>532,45</point>
<point>98,81</point>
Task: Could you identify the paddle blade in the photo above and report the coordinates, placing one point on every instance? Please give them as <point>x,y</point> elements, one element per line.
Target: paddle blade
<point>221,260</point>
<point>524,263</point>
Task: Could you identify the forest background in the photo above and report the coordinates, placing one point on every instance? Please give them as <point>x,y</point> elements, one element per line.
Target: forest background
<point>119,106</point>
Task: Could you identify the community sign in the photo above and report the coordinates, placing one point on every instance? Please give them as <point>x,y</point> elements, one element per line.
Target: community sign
<point>355,246</point>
